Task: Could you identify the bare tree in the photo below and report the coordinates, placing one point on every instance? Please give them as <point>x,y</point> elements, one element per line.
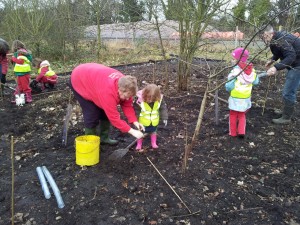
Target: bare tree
<point>98,7</point>
<point>193,18</point>
<point>28,20</point>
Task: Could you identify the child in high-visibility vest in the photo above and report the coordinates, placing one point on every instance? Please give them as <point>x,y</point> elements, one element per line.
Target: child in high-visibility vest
<point>152,109</point>
<point>22,67</point>
<point>46,76</point>
<point>241,79</point>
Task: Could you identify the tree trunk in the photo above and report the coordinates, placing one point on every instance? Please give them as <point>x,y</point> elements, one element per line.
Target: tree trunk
<point>183,73</point>
<point>182,76</point>
<point>98,37</point>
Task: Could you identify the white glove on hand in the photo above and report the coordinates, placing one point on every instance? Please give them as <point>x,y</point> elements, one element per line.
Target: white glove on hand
<point>136,133</point>
<point>139,126</point>
<point>271,71</point>
<point>165,122</point>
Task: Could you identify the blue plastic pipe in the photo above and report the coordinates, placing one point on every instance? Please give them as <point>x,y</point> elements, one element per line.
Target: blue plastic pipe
<point>54,187</point>
<point>43,182</point>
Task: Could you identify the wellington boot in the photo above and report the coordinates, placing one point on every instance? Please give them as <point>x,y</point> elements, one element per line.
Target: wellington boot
<point>139,144</point>
<point>90,131</point>
<point>278,111</point>
<point>287,113</point>
<point>153,141</point>
<point>282,120</point>
<point>28,97</point>
<point>104,131</point>
<point>2,90</point>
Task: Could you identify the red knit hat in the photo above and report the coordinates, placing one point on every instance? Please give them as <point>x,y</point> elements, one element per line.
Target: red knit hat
<point>238,52</point>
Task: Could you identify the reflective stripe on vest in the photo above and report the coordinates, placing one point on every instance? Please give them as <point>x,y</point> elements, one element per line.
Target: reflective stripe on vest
<point>22,68</point>
<point>241,90</point>
<point>49,73</point>
<point>149,116</point>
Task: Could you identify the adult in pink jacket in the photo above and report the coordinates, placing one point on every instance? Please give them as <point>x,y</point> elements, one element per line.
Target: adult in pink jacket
<point>99,90</point>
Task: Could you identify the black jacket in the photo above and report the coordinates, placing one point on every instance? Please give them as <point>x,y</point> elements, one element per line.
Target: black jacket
<point>285,47</point>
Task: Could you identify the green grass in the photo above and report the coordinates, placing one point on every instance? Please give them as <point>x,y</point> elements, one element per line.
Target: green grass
<point>123,52</point>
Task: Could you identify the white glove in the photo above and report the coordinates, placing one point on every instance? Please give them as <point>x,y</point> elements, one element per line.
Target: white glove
<point>136,133</point>
<point>139,126</point>
<point>165,122</point>
<point>271,71</point>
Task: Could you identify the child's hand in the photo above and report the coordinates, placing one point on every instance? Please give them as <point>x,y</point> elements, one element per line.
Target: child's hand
<point>139,126</point>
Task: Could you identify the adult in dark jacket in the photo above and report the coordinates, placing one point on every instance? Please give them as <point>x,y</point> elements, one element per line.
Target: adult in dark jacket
<point>286,47</point>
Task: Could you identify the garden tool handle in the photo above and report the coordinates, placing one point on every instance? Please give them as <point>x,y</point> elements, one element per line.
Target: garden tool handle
<point>5,85</point>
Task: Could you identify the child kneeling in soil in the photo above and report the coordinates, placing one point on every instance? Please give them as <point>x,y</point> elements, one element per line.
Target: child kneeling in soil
<point>240,81</point>
<point>47,78</point>
<point>152,109</point>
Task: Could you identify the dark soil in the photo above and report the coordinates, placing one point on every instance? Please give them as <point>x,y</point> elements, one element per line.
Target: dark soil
<point>254,180</point>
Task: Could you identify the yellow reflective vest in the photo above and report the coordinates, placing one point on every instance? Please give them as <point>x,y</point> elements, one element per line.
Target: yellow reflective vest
<point>149,116</point>
<point>242,90</point>
<point>22,68</point>
<point>49,73</point>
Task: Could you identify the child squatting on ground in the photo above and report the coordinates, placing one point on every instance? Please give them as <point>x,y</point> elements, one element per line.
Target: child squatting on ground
<point>22,59</point>
<point>47,78</point>
<point>241,79</point>
<point>152,109</point>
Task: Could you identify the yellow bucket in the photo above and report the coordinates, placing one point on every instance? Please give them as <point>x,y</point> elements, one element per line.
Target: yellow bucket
<point>87,150</point>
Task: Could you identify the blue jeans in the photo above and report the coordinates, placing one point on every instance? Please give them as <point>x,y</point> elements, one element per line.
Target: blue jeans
<point>292,82</point>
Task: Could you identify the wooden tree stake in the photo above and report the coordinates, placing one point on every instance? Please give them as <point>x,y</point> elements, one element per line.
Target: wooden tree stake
<point>12,182</point>
<point>169,185</point>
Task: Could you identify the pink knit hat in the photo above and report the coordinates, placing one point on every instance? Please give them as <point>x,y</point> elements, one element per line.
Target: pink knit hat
<point>238,52</point>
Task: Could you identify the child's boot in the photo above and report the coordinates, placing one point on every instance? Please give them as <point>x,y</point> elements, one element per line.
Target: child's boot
<point>153,141</point>
<point>28,97</point>
<point>139,144</point>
